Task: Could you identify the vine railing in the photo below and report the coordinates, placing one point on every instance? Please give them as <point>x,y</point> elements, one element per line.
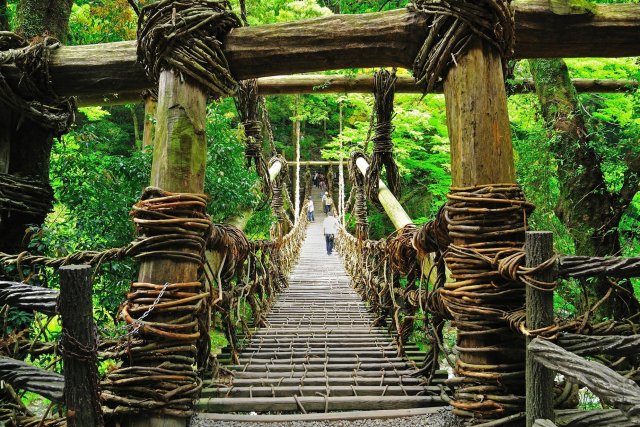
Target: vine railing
<point>239,274</point>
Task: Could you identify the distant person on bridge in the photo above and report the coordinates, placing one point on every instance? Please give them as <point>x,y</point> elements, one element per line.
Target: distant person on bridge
<point>315,179</point>
<point>329,228</point>
<point>322,184</point>
<point>310,211</point>
<point>328,204</point>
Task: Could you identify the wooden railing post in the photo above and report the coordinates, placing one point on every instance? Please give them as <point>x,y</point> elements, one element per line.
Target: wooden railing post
<point>539,306</point>
<point>79,347</point>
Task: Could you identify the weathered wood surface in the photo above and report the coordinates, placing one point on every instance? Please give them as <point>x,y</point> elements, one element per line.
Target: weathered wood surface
<point>81,391</point>
<point>543,423</point>
<point>585,266</point>
<point>179,160</point>
<point>23,376</point>
<point>341,416</point>
<point>481,153</point>
<point>353,41</point>
<point>28,298</point>
<point>337,83</point>
<point>539,308</point>
<point>595,418</point>
<point>612,388</point>
<point>320,340</point>
<point>589,345</point>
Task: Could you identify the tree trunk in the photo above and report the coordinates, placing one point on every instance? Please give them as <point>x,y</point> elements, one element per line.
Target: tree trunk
<point>30,146</point>
<point>585,206</point>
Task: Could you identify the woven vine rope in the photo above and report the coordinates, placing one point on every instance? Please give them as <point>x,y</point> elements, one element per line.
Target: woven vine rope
<point>487,220</point>
<point>248,107</point>
<point>360,199</point>
<point>150,379</point>
<point>33,98</point>
<point>185,36</point>
<point>452,26</point>
<point>383,89</point>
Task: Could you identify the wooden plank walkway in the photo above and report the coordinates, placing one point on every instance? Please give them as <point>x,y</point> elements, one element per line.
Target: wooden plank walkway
<point>320,352</point>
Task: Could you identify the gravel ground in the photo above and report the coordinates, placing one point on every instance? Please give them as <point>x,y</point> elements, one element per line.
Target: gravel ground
<point>442,418</point>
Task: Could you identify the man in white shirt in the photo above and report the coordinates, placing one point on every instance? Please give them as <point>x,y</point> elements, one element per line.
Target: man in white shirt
<point>310,211</point>
<point>329,228</point>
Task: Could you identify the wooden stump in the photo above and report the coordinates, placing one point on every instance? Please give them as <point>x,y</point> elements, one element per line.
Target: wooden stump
<point>79,345</point>
<point>539,305</point>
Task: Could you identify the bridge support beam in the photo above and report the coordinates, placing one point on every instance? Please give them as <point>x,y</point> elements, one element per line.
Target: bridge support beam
<point>481,153</point>
<point>179,160</point>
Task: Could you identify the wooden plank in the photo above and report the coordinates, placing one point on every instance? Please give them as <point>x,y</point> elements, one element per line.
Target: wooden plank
<point>352,41</point>
<point>306,390</point>
<point>315,403</point>
<point>333,416</point>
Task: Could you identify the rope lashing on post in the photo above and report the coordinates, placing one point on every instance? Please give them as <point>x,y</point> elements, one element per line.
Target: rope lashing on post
<point>382,155</point>
<point>248,107</point>
<point>453,25</point>
<point>154,380</point>
<point>360,198</point>
<point>489,220</point>
<point>33,98</point>
<point>186,37</point>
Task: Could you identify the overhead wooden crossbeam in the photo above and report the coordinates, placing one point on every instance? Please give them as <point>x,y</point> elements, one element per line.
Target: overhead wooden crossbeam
<point>390,38</point>
<point>338,83</point>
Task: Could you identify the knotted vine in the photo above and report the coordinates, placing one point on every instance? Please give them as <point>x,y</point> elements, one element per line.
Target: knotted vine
<point>452,27</point>
<point>32,96</point>
<point>248,107</point>
<point>382,155</point>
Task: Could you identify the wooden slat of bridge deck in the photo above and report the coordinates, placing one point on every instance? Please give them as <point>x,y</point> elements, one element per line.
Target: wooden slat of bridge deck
<point>320,352</point>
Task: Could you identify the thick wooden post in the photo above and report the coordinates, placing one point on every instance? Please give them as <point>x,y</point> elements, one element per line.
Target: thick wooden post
<point>539,305</point>
<point>481,153</point>
<point>179,160</point>
<point>79,346</point>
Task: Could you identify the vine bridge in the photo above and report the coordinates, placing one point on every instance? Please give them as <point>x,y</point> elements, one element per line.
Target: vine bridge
<point>355,335</point>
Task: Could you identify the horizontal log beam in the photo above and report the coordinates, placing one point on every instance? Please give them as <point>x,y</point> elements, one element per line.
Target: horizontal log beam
<point>335,42</point>
<point>29,298</point>
<point>337,83</point>
<point>23,376</point>
<point>612,388</point>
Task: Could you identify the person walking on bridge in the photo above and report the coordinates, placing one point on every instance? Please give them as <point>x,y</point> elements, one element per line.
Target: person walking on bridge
<point>310,210</point>
<point>329,228</point>
<point>328,204</point>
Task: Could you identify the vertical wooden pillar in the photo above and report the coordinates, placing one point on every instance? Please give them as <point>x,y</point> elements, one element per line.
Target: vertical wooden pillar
<point>539,305</point>
<point>79,357</point>
<point>179,161</point>
<point>481,153</point>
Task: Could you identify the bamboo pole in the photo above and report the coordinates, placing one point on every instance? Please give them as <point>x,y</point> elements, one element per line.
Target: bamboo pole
<point>391,205</point>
